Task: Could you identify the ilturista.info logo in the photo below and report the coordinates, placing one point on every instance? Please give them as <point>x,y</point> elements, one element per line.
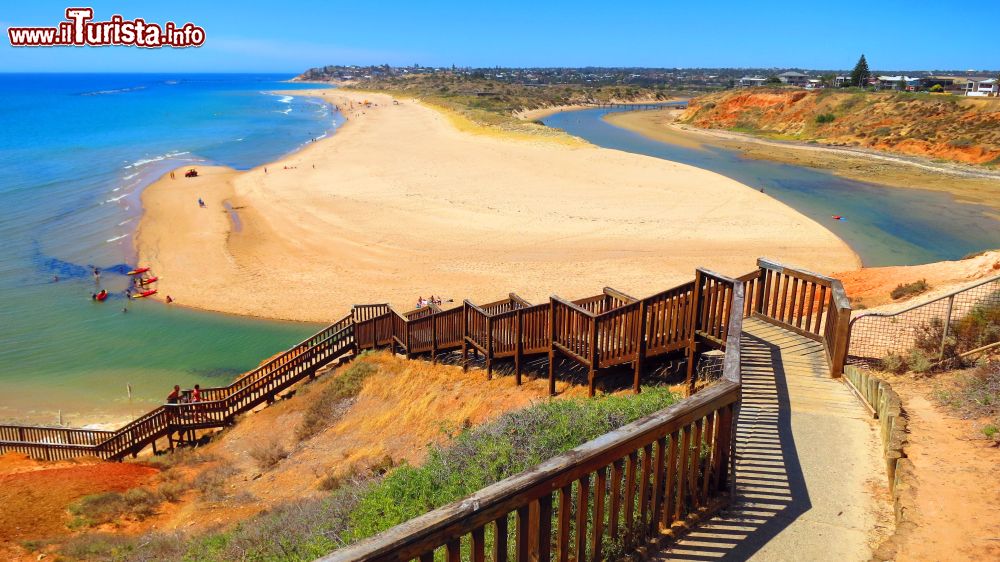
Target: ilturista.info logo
<point>80,30</point>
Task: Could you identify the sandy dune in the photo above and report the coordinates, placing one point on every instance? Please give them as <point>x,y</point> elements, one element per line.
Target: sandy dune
<point>400,204</point>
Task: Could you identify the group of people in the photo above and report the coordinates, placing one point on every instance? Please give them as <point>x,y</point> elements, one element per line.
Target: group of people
<point>193,396</point>
<point>422,302</point>
<point>178,396</point>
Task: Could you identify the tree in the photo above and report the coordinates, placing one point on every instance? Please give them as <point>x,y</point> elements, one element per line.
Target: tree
<point>860,74</point>
<point>772,79</point>
<point>901,85</point>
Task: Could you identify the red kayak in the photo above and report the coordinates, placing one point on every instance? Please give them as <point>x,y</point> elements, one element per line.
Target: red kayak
<point>101,297</point>
<point>138,270</point>
<point>148,280</point>
<point>144,294</point>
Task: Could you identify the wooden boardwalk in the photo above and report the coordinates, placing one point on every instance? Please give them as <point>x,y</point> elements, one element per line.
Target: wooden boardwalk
<point>803,457</point>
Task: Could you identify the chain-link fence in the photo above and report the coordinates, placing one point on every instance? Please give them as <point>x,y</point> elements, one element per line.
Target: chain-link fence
<point>950,327</point>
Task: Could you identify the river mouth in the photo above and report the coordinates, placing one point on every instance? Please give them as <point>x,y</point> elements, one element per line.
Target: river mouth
<point>884,225</point>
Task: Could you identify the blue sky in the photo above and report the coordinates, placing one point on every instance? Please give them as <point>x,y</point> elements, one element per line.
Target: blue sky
<point>290,35</point>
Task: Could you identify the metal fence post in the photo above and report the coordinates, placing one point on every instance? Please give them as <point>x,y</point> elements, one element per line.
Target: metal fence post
<point>947,325</point>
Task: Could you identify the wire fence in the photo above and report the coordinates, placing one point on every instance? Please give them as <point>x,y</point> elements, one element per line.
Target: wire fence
<point>948,328</point>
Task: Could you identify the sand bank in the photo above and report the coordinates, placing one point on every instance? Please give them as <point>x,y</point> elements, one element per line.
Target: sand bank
<point>400,204</point>
<point>966,183</point>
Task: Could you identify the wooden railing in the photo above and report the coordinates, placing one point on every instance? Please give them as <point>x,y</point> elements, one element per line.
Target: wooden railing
<point>218,406</point>
<point>601,332</point>
<point>626,488</point>
<point>809,304</point>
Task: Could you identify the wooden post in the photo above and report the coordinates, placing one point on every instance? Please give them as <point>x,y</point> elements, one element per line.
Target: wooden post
<point>552,347</point>
<point>759,304</point>
<point>465,337</point>
<point>434,337</point>
<point>592,375</point>
<point>406,329</point>
<point>518,345</point>
<point>489,347</point>
<point>640,355</point>
<point>694,320</point>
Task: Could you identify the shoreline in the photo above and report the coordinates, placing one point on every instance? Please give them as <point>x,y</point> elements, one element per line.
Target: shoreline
<point>980,187</point>
<point>310,245</point>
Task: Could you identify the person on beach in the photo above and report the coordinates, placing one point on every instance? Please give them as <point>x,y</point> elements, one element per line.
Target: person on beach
<point>201,203</point>
<point>169,300</point>
<point>171,175</point>
<point>175,395</point>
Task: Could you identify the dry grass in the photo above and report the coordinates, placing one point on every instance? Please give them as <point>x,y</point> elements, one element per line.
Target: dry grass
<point>268,452</point>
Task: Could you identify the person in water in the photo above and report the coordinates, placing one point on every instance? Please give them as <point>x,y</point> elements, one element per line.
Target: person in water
<point>97,274</point>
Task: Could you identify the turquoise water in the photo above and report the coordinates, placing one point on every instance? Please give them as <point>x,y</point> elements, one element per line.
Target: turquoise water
<point>75,152</point>
<point>884,225</point>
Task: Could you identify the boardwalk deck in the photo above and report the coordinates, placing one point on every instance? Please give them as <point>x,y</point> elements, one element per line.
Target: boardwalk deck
<point>804,453</point>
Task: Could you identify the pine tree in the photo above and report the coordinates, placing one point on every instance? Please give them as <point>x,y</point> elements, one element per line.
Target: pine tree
<point>860,74</point>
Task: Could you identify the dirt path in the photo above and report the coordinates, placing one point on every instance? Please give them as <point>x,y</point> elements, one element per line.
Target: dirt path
<point>958,485</point>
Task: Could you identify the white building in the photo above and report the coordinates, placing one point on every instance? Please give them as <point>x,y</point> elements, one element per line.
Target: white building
<point>979,87</point>
<point>749,81</point>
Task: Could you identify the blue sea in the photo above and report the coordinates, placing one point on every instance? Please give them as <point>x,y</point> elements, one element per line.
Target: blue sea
<point>75,153</point>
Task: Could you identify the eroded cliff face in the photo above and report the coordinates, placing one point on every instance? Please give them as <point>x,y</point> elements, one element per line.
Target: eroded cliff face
<point>945,127</point>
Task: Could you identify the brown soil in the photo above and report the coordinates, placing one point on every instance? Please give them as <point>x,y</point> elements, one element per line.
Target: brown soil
<point>869,287</point>
<point>957,481</point>
<point>35,496</point>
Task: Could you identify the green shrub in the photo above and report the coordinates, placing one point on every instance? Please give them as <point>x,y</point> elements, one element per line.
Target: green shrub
<point>268,453</point>
<point>960,143</point>
<point>110,507</point>
<point>825,118</point>
<point>333,400</point>
<point>975,393</point>
<point>882,132</point>
<point>893,363</point>
<point>909,289</point>
<point>483,455</point>
<point>211,482</point>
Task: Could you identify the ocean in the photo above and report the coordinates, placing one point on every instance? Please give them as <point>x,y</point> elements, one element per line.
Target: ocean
<point>75,153</point>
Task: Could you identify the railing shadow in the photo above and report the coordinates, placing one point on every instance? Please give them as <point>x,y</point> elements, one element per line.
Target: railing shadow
<point>770,486</point>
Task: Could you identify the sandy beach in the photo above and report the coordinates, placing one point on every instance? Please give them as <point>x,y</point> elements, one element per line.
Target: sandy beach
<point>966,183</point>
<point>400,204</point>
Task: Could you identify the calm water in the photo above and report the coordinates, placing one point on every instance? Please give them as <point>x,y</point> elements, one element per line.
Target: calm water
<point>74,154</point>
<point>885,225</point>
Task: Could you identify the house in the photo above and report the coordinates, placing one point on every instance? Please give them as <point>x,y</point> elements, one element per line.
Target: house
<point>982,87</point>
<point>749,81</point>
<point>946,82</point>
<point>842,81</point>
<point>895,82</point>
<point>793,78</point>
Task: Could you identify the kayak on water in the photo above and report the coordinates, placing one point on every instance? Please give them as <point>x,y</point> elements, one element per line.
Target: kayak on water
<point>144,294</point>
<point>138,270</point>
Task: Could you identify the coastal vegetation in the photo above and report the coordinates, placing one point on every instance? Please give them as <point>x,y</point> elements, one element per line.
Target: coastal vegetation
<point>372,499</point>
<point>943,127</point>
<point>495,104</point>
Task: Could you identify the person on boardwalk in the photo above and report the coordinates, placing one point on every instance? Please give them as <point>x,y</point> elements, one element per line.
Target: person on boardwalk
<point>175,396</point>
<point>199,411</point>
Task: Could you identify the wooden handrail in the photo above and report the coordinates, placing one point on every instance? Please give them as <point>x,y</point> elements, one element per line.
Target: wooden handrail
<point>444,526</point>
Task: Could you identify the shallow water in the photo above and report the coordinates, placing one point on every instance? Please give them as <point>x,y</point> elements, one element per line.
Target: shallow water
<point>884,225</point>
<point>75,153</point>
